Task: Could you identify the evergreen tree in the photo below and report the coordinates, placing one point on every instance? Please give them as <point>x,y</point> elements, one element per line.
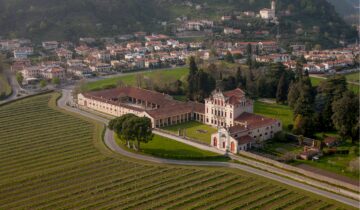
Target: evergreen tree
<point>281,93</point>
<point>346,116</point>
<point>193,70</point>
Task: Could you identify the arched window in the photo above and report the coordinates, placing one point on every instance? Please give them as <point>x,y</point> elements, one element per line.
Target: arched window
<point>215,142</point>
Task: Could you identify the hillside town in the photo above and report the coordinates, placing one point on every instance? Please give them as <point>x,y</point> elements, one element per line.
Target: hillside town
<point>66,60</point>
<point>89,56</point>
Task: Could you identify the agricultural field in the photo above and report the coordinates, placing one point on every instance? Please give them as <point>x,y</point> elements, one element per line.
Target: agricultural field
<point>5,88</point>
<point>167,148</point>
<point>130,79</point>
<point>280,112</point>
<point>194,130</point>
<point>55,160</point>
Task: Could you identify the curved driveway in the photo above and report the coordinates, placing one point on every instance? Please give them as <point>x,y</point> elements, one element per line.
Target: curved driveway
<point>111,144</point>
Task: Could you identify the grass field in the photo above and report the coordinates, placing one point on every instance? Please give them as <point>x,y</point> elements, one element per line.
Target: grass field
<point>55,160</point>
<point>166,75</point>
<point>167,148</point>
<point>280,112</point>
<point>194,130</point>
<point>353,77</point>
<point>355,88</point>
<point>5,88</point>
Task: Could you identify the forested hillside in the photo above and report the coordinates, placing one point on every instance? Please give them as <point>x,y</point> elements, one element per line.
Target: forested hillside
<point>348,9</point>
<point>70,19</point>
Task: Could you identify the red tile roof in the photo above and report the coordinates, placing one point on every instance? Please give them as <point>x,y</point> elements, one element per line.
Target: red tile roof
<point>254,121</point>
<point>245,140</point>
<point>168,107</point>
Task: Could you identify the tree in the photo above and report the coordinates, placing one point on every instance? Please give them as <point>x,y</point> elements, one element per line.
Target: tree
<point>43,83</point>
<point>293,95</point>
<point>142,130</point>
<point>281,93</point>
<point>56,81</point>
<point>193,69</point>
<point>346,115</point>
<point>303,125</point>
<point>239,78</point>
<point>229,57</point>
<point>117,125</point>
<point>19,78</point>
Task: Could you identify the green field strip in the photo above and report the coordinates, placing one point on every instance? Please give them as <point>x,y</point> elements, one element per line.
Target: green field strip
<point>88,193</point>
<point>161,190</point>
<point>52,161</point>
<point>37,182</point>
<point>182,198</point>
<point>315,205</point>
<point>274,202</point>
<point>54,145</point>
<point>170,190</point>
<point>254,198</point>
<point>224,202</point>
<point>299,203</point>
<point>124,189</point>
<point>18,171</point>
<point>61,193</point>
<point>304,205</point>
<point>233,191</point>
<point>186,198</point>
<point>38,131</point>
<point>64,181</point>
<point>103,201</point>
<point>291,202</point>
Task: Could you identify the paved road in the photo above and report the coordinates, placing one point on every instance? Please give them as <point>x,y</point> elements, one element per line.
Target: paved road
<point>111,144</point>
<point>14,86</point>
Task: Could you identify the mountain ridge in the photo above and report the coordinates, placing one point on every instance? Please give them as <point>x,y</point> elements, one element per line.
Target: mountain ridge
<point>47,19</point>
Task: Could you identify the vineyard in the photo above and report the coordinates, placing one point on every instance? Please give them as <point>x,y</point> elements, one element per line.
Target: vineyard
<point>53,160</point>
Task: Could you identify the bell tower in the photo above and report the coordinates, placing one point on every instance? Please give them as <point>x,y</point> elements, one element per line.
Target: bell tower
<point>273,5</point>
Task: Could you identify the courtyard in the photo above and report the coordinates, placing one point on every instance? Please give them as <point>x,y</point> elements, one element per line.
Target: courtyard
<point>193,130</point>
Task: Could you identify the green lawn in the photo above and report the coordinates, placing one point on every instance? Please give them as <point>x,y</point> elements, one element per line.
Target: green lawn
<point>316,81</point>
<point>353,77</point>
<point>163,75</point>
<point>280,112</point>
<point>5,88</point>
<point>194,130</point>
<point>168,148</point>
<point>52,159</point>
<point>355,88</point>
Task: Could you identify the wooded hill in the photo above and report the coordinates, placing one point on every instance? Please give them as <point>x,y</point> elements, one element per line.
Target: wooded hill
<point>70,19</point>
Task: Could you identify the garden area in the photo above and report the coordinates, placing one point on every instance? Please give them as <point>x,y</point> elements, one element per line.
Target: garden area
<point>353,77</point>
<point>167,148</point>
<point>193,130</point>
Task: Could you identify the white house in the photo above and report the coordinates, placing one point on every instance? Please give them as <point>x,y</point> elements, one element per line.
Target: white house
<point>23,52</point>
<point>50,45</point>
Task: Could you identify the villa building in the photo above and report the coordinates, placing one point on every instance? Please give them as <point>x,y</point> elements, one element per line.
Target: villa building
<point>231,112</point>
<point>239,128</point>
<point>160,108</point>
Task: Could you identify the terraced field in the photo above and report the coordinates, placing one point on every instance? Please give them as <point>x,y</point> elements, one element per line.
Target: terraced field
<point>53,160</point>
